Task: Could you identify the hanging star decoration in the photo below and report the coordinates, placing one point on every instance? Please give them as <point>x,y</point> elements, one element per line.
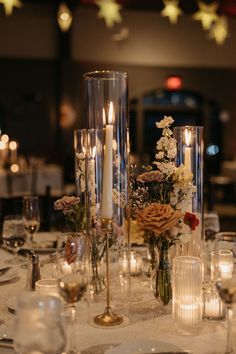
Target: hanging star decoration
<point>9,4</point>
<point>109,11</point>
<point>219,31</point>
<point>206,14</point>
<point>171,10</point>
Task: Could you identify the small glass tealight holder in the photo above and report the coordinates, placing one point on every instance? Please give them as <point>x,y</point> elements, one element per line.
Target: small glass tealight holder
<point>132,264</point>
<point>225,263</point>
<point>213,307</point>
<point>45,287</point>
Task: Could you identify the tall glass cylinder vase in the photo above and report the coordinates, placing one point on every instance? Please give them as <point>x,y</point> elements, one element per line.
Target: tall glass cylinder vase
<point>106,102</point>
<point>190,154</point>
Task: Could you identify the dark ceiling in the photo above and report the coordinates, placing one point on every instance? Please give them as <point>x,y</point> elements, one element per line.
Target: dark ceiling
<point>227,7</point>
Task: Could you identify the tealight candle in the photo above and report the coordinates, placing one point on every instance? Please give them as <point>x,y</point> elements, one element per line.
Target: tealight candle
<point>225,263</point>
<point>124,264</point>
<point>136,264</point>
<point>65,267</point>
<point>190,312</point>
<point>213,307</point>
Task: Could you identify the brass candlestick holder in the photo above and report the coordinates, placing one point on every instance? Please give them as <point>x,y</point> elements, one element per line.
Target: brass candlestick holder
<point>108,318</point>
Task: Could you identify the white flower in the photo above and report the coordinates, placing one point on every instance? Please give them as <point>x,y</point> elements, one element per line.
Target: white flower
<point>166,168</point>
<point>182,174</point>
<point>165,122</point>
<point>167,146</point>
<point>163,143</point>
<point>159,155</point>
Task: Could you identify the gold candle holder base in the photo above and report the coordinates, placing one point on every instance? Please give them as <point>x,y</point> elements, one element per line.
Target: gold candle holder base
<point>108,318</point>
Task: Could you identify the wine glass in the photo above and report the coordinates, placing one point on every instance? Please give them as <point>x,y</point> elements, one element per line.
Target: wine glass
<point>226,277</point>
<point>31,216</point>
<point>38,325</point>
<point>13,233</point>
<point>72,287</point>
<point>211,225</point>
<point>227,292</point>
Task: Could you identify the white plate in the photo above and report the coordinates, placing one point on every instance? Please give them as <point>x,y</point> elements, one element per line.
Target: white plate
<point>9,276</point>
<point>143,347</point>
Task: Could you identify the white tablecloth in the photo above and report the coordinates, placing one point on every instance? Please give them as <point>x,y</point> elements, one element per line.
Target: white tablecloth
<point>211,338</point>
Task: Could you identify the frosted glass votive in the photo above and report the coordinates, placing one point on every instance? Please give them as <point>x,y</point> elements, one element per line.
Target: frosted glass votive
<point>187,294</point>
<point>225,263</point>
<point>46,287</point>
<point>213,307</point>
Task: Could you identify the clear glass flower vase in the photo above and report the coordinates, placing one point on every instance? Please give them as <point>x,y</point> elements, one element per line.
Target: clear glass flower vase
<point>161,278</point>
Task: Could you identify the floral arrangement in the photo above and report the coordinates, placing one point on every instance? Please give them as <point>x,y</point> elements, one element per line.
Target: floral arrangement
<point>161,200</point>
<point>161,195</point>
<point>74,213</point>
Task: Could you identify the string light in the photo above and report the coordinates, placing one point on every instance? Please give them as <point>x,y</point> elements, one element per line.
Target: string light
<point>109,10</point>
<point>206,14</point>
<point>64,17</point>
<point>9,4</point>
<point>171,10</point>
<point>219,30</point>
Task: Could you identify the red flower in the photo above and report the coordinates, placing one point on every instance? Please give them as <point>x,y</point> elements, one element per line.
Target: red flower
<point>191,220</point>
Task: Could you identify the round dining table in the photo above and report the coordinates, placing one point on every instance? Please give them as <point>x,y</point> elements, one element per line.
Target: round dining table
<point>137,335</point>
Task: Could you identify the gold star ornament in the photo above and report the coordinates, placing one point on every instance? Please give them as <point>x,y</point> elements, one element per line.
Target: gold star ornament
<point>9,4</point>
<point>171,10</point>
<point>206,14</point>
<point>109,10</point>
<point>219,32</point>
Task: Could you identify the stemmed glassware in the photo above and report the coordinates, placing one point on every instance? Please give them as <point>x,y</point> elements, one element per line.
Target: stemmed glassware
<point>226,286</point>
<point>73,285</point>
<point>227,291</point>
<point>31,216</point>
<point>13,233</point>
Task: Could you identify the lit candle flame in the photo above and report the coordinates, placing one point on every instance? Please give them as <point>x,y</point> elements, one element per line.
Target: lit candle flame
<point>110,114</point>
<point>187,137</point>
<point>13,145</point>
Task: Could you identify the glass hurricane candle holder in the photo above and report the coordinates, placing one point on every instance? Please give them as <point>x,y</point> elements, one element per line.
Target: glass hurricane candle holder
<point>190,154</point>
<point>187,293</point>
<point>105,98</point>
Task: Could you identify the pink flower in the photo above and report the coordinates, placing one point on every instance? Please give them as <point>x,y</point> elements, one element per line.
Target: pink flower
<point>66,203</point>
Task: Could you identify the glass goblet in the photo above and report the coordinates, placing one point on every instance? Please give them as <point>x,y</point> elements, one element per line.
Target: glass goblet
<point>13,234</point>
<point>31,215</point>
<point>227,292</point>
<point>73,285</point>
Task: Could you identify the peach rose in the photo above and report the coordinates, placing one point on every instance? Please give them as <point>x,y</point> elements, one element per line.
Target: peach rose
<point>158,218</point>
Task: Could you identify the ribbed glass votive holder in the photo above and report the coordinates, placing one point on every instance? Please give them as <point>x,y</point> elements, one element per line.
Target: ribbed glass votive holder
<point>187,294</point>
